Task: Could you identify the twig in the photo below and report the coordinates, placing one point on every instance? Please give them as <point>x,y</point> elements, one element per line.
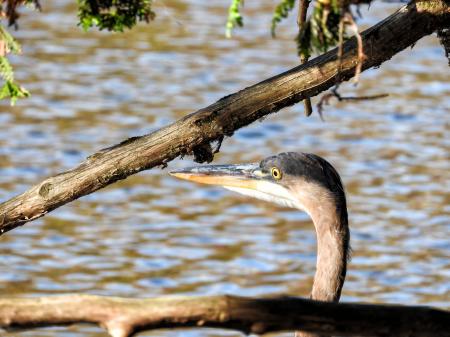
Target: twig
<point>301,19</point>
<point>361,56</point>
<point>340,46</point>
<point>325,99</point>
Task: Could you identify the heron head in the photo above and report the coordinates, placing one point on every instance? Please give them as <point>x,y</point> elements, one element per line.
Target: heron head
<point>289,179</point>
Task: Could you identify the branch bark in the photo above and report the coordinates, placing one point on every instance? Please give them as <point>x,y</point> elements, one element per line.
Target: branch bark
<point>194,133</point>
<point>123,317</point>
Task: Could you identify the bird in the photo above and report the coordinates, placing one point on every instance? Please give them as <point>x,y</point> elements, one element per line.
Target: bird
<point>304,181</point>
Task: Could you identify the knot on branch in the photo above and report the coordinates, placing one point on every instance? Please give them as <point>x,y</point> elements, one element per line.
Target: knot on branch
<point>203,153</point>
<point>45,189</point>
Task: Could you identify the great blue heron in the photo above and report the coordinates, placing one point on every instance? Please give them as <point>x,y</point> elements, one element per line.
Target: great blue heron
<point>303,181</point>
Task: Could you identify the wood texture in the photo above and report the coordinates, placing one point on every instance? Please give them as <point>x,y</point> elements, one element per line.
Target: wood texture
<point>194,133</point>
<point>124,317</point>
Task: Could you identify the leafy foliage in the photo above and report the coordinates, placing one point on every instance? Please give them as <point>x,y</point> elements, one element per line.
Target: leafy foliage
<point>234,16</point>
<point>281,12</point>
<point>6,71</point>
<point>114,15</point>
<point>10,88</point>
<point>10,45</point>
<point>13,91</point>
<point>321,30</point>
<point>8,10</point>
<point>319,33</point>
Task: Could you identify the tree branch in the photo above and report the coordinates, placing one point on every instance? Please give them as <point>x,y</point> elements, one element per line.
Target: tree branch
<point>194,133</point>
<point>123,317</point>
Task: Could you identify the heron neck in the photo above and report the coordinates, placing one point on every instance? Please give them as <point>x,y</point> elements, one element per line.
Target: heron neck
<point>330,221</point>
<point>332,249</point>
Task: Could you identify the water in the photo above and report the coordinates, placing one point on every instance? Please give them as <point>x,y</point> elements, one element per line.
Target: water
<point>153,235</point>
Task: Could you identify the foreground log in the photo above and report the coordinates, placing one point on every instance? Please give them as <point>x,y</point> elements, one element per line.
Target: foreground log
<point>124,317</point>
<point>194,133</point>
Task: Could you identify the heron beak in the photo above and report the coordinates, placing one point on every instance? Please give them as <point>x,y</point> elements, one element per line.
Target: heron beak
<point>246,179</point>
<point>241,176</point>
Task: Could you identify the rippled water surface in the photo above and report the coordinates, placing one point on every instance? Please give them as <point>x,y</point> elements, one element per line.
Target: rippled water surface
<point>152,235</point>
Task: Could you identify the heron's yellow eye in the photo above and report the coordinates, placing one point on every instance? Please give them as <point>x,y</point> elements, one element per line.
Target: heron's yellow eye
<point>276,173</point>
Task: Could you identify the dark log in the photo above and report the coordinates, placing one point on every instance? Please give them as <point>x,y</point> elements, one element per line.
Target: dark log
<point>123,317</point>
<point>194,133</point>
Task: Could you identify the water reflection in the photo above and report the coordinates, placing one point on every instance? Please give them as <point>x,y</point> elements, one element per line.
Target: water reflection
<point>152,235</point>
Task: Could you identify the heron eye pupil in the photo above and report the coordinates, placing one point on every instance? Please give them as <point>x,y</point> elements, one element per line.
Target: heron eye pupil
<point>276,174</point>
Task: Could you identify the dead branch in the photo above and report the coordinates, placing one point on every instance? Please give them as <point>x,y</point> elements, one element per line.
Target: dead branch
<point>301,19</point>
<point>325,99</point>
<point>123,317</point>
<point>194,133</point>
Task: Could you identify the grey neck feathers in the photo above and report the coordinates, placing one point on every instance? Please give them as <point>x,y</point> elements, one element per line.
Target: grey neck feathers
<point>329,214</point>
<point>328,211</point>
<point>332,253</point>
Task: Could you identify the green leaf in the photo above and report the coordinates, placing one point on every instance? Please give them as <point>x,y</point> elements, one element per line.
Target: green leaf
<point>10,43</point>
<point>10,89</point>
<point>234,17</point>
<point>6,71</point>
<point>13,91</point>
<point>281,12</point>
